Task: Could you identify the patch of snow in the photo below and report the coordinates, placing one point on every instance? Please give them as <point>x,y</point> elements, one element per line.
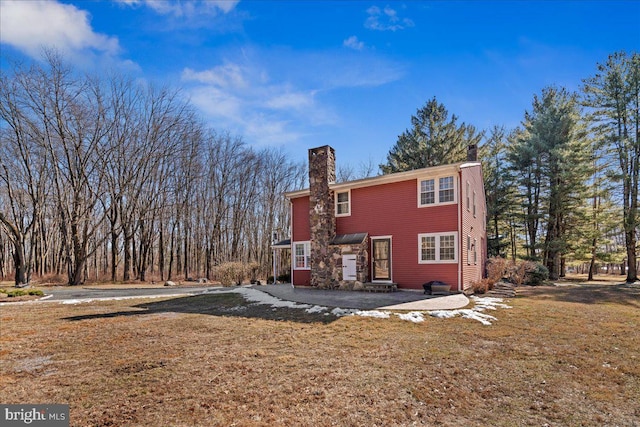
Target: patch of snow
<point>485,319</point>
<point>316,309</point>
<point>373,313</point>
<point>86,300</point>
<point>76,301</point>
<point>412,316</point>
<point>259,297</point>
<point>490,303</point>
<point>444,314</point>
<point>339,312</point>
<point>474,313</point>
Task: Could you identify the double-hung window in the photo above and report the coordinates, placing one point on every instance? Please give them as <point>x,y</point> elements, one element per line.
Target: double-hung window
<point>343,203</point>
<point>434,191</point>
<point>446,191</point>
<point>301,252</point>
<point>437,247</point>
<point>427,192</point>
<point>474,204</point>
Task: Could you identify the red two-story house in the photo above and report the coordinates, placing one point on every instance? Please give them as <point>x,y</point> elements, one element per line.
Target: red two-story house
<point>405,228</point>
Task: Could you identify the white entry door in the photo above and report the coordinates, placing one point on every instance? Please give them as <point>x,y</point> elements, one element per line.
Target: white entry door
<point>349,267</point>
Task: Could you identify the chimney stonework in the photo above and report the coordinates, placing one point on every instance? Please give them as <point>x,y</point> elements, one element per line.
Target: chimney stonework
<point>322,220</point>
<point>472,153</point>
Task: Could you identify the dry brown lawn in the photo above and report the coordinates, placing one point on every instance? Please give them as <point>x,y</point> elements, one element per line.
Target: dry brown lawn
<point>562,356</point>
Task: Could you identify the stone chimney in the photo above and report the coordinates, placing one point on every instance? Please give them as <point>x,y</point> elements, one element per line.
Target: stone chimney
<point>322,220</point>
<point>472,153</point>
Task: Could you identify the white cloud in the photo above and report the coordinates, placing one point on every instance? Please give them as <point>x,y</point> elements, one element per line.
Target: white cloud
<point>227,75</point>
<point>242,98</point>
<point>291,100</point>
<point>185,8</point>
<point>353,43</point>
<point>277,96</point>
<point>386,19</point>
<point>31,25</point>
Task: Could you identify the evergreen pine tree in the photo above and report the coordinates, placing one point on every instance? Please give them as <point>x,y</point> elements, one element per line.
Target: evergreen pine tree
<point>434,139</point>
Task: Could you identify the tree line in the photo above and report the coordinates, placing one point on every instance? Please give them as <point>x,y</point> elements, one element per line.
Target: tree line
<point>112,178</point>
<point>561,188</point>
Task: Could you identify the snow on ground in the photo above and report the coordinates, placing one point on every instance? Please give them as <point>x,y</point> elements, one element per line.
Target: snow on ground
<point>88,300</point>
<point>475,313</point>
<point>412,316</point>
<point>259,297</point>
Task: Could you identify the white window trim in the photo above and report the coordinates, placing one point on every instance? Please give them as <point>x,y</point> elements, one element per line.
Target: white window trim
<point>390,237</point>
<point>437,236</point>
<point>307,254</point>
<point>469,252</point>
<point>468,196</point>
<point>335,197</point>
<point>474,205</point>
<point>475,251</point>
<point>436,185</point>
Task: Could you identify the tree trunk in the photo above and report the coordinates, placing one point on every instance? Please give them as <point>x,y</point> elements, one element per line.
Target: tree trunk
<point>114,255</point>
<point>20,265</point>
<point>632,273</point>
<point>161,252</point>
<point>592,263</point>
<point>126,274</point>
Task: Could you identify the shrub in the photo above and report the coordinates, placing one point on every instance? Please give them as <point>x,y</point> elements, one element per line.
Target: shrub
<point>284,278</point>
<point>16,293</point>
<point>232,273</point>
<point>252,270</point>
<point>528,273</point>
<point>481,286</point>
<point>21,292</point>
<point>538,275</point>
<point>496,269</point>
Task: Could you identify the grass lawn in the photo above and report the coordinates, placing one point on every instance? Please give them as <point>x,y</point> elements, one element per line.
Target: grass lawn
<point>561,356</point>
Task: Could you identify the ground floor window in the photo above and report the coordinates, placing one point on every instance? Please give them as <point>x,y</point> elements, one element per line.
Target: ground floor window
<point>301,252</point>
<point>437,247</point>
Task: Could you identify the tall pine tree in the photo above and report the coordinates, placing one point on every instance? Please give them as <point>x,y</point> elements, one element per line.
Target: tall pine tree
<point>499,192</point>
<point>613,95</point>
<point>551,161</point>
<point>433,139</point>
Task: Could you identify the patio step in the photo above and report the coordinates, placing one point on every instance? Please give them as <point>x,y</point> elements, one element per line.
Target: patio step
<point>380,287</point>
<point>502,290</point>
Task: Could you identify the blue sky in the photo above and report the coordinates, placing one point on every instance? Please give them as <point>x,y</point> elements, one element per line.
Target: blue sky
<point>299,74</point>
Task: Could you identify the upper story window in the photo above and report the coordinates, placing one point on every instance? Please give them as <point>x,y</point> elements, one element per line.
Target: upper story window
<point>434,191</point>
<point>468,192</point>
<point>474,204</point>
<point>427,192</point>
<point>446,193</point>
<point>343,203</point>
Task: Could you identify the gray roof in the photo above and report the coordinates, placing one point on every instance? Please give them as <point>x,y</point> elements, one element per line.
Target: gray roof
<point>340,239</point>
<point>282,244</point>
<point>349,239</point>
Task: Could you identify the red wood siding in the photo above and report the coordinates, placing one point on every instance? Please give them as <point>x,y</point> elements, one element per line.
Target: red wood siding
<point>300,232</point>
<point>473,226</point>
<point>301,277</point>
<point>392,210</point>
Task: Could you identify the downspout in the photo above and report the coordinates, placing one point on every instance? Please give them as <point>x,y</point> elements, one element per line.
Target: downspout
<point>460,230</point>
<point>292,257</point>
